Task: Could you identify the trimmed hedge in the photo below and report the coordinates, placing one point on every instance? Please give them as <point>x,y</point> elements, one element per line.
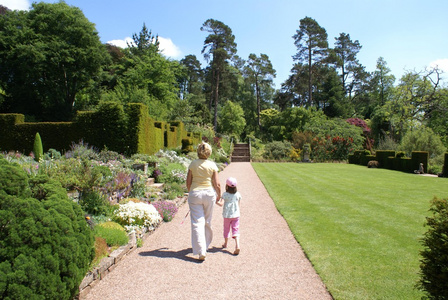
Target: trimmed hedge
<point>171,137</point>
<point>391,160</point>
<point>382,157</point>
<point>445,166</point>
<point>127,130</point>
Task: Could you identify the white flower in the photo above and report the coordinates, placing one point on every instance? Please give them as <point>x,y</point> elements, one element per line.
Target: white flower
<point>134,216</point>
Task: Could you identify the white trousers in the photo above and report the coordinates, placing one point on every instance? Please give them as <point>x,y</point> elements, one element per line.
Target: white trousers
<point>201,204</point>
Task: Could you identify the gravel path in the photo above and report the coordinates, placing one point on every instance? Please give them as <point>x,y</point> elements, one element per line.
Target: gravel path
<point>271,264</point>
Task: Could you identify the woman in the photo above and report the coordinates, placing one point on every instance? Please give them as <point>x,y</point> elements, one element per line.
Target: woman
<point>203,191</point>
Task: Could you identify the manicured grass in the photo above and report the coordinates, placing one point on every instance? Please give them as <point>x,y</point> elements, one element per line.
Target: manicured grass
<point>359,227</point>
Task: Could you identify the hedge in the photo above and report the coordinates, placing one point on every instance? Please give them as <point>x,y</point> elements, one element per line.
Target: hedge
<point>391,160</point>
<point>126,130</point>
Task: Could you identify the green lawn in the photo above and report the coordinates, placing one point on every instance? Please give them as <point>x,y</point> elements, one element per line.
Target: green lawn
<point>359,227</point>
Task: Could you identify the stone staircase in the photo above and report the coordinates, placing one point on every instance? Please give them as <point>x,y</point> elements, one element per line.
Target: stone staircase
<point>241,153</point>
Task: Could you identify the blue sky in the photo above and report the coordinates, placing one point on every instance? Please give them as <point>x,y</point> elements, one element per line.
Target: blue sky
<point>408,34</point>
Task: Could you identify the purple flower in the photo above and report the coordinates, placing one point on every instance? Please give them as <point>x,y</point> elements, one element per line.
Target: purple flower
<point>166,209</point>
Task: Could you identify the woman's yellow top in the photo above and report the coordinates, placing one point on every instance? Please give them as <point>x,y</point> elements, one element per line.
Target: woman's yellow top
<point>202,171</point>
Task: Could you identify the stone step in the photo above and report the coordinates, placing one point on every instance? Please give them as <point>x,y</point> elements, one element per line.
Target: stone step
<point>157,185</point>
<point>241,153</point>
<point>240,159</point>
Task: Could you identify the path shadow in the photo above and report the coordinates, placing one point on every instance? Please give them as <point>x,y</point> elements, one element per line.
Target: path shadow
<point>184,254</point>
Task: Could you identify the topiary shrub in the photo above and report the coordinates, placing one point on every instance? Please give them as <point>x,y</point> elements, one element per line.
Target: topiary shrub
<point>434,262</point>
<point>113,233</point>
<point>187,145</point>
<point>46,245</point>
<point>37,148</point>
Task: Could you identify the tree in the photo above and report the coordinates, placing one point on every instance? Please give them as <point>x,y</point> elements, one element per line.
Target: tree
<point>260,70</point>
<point>47,55</point>
<point>438,118</point>
<point>232,119</point>
<point>143,75</point>
<point>412,102</point>
<point>144,42</point>
<point>192,82</point>
<point>331,95</point>
<point>378,92</point>
<point>220,44</point>
<point>383,80</point>
<point>312,45</point>
<point>422,139</point>
<point>3,9</point>
<point>344,52</point>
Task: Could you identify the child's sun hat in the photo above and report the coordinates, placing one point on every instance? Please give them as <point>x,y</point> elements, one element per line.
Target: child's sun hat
<point>231,182</point>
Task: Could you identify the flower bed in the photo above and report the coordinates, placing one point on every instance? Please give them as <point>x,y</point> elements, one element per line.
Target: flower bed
<point>107,264</point>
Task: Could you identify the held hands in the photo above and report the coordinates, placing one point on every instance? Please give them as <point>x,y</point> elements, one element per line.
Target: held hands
<point>219,202</point>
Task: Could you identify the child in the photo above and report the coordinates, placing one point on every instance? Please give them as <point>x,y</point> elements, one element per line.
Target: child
<point>231,213</point>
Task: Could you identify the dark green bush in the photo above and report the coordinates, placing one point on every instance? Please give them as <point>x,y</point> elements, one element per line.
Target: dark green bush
<point>46,245</point>
<point>113,233</point>
<point>13,181</point>
<point>434,262</point>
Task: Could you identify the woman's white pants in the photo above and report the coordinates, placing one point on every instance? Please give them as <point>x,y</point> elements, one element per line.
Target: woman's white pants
<point>201,204</point>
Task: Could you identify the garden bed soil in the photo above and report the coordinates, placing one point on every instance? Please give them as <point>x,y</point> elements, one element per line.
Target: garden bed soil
<point>271,264</point>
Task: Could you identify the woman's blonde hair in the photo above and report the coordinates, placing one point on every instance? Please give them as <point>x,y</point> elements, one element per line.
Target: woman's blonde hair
<point>204,150</point>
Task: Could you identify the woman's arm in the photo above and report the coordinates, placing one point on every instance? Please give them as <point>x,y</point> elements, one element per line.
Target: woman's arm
<point>189,179</point>
<point>216,185</point>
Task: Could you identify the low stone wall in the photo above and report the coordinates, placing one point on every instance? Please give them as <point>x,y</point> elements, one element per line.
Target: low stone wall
<point>109,263</point>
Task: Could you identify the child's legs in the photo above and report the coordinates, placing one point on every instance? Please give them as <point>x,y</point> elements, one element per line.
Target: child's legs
<point>235,225</point>
<point>227,225</point>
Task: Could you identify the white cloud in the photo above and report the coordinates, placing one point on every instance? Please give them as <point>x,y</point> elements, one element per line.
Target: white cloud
<point>16,4</point>
<point>166,46</point>
<point>121,43</point>
<point>442,64</point>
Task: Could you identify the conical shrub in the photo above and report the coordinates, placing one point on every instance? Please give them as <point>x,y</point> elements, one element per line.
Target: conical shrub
<point>38,149</point>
